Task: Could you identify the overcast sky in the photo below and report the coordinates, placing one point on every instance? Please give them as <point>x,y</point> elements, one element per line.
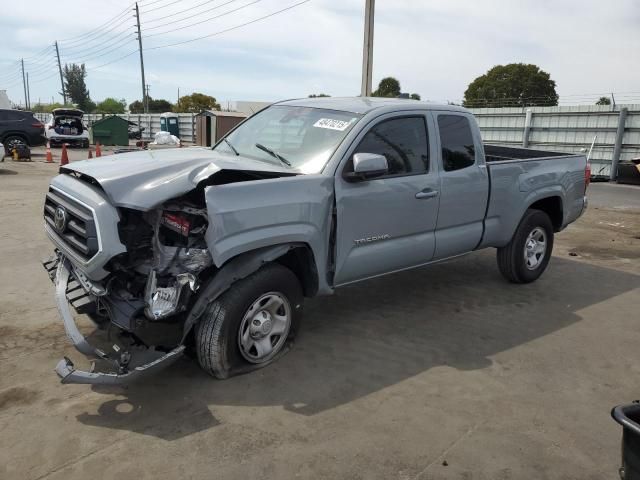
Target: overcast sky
<point>434,47</point>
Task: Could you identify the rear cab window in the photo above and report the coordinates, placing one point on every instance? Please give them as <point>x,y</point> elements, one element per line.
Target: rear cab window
<point>404,143</point>
<point>456,140</point>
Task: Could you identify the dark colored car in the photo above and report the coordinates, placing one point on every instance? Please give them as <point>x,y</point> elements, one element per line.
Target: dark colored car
<point>20,128</point>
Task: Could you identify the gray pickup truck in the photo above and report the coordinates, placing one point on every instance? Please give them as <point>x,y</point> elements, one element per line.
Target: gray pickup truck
<point>212,251</point>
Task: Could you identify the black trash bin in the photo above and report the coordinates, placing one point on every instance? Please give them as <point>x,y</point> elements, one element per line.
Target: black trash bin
<point>629,417</point>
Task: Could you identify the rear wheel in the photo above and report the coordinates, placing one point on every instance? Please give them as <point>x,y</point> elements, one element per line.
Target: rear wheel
<point>249,325</point>
<point>526,257</point>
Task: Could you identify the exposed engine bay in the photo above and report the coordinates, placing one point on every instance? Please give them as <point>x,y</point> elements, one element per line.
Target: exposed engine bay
<point>141,305</point>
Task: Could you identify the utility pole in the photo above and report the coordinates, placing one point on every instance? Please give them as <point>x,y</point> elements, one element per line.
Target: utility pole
<point>28,94</point>
<point>367,55</point>
<point>24,83</point>
<point>148,87</point>
<point>64,93</point>
<point>144,96</point>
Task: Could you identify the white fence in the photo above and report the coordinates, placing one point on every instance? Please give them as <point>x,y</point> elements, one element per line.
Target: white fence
<point>150,122</point>
<point>567,129</point>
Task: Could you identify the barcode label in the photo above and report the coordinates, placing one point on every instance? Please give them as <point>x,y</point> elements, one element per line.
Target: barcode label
<point>332,124</point>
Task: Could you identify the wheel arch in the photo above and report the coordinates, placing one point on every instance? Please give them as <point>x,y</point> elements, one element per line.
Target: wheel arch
<point>553,207</point>
<point>296,256</point>
<point>16,134</point>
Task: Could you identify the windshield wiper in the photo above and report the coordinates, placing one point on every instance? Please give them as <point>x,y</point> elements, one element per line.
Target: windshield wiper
<point>231,146</point>
<point>273,154</point>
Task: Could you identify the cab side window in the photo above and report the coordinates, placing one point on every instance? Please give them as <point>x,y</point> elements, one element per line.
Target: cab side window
<point>458,150</point>
<point>403,141</point>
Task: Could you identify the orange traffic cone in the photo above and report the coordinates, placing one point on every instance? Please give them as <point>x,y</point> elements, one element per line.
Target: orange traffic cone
<point>64,158</point>
<point>49,156</point>
<point>98,151</point>
<point>90,154</point>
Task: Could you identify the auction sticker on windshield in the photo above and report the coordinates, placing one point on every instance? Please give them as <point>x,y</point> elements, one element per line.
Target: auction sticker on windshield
<point>333,124</point>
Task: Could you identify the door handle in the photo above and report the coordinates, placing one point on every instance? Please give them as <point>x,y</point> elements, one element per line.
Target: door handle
<point>426,193</point>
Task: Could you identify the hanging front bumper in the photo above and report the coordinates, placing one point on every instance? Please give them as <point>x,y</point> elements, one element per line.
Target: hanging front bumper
<point>146,361</point>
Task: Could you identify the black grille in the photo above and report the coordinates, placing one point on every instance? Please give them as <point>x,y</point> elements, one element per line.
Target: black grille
<point>79,233</point>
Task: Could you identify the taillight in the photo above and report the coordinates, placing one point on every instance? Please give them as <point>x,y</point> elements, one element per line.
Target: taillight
<point>38,125</point>
<point>587,176</point>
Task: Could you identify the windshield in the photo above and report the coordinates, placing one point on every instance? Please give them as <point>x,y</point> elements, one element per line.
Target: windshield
<point>300,138</point>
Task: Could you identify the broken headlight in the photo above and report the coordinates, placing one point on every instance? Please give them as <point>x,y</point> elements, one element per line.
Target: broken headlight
<point>162,302</point>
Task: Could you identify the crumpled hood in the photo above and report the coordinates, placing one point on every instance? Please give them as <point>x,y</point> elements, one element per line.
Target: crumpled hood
<point>144,179</point>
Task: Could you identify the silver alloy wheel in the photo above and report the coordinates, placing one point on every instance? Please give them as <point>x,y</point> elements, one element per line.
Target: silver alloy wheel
<point>535,248</point>
<point>265,327</point>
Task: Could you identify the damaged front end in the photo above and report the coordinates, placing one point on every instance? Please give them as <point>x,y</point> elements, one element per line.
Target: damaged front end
<point>139,308</point>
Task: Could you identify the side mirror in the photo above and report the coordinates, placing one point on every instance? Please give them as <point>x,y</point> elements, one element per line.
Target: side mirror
<point>366,166</point>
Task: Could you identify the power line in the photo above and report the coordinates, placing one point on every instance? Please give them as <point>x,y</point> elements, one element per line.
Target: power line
<point>188,17</point>
<point>15,75</point>
<point>96,37</point>
<point>164,6</point>
<point>77,50</point>
<point>40,53</point>
<point>205,20</point>
<point>109,48</point>
<point>290,7</point>
<point>114,61</point>
<point>142,3</point>
<point>78,38</point>
<point>43,63</point>
<point>40,71</point>
<point>45,78</point>
<point>172,14</point>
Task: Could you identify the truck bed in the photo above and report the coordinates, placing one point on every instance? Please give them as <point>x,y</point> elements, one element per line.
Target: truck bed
<point>518,176</point>
<point>497,153</point>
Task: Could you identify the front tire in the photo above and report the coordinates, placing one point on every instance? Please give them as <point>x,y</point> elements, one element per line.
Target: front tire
<point>527,255</point>
<point>250,325</point>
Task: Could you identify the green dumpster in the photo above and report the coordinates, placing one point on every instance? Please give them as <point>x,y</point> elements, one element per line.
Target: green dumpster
<point>112,130</point>
<point>169,122</point>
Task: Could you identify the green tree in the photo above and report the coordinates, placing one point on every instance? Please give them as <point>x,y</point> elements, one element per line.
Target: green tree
<point>196,103</point>
<point>76,88</point>
<point>111,105</point>
<point>48,107</point>
<point>155,106</point>
<point>515,84</point>
<point>160,105</point>
<point>388,87</point>
<point>136,107</point>
<point>604,101</point>
<point>319,95</point>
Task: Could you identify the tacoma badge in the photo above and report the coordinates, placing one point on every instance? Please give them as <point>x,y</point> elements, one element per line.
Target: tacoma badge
<point>375,238</point>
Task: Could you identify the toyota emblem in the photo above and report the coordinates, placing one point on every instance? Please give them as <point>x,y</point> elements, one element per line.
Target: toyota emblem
<point>60,219</point>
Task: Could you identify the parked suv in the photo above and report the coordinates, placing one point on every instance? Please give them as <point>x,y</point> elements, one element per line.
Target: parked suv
<point>20,128</point>
<point>65,126</point>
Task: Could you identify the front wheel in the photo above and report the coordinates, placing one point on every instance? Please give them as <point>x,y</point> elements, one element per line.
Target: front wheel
<point>527,255</point>
<point>249,325</point>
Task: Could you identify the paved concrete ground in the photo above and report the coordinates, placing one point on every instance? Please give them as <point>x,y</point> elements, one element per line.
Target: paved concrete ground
<point>447,372</point>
